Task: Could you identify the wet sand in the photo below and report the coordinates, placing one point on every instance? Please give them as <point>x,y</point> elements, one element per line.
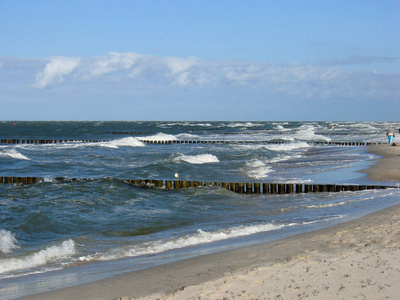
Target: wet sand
<point>387,167</point>
<point>359,259</point>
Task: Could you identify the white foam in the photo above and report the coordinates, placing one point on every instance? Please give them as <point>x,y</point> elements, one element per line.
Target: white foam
<point>41,258</point>
<point>307,132</point>
<point>200,237</point>
<point>186,124</point>
<point>124,142</point>
<point>281,128</point>
<point>248,124</point>
<point>8,242</point>
<point>197,159</point>
<point>257,169</point>
<point>287,147</point>
<point>187,136</point>
<point>159,137</point>
<point>13,154</point>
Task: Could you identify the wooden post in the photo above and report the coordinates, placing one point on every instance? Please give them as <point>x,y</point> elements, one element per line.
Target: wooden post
<point>249,188</point>
<point>225,185</point>
<point>362,187</point>
<point>265,188</point>
<point>323,188</point>
<point>289,188</point>
<point>176,184</point>
<point>184,184</point>
<point>168,184</point>
<point>299,188</point>
<point>281,188</point>
<point>331,187</point>
<point>159,183</point>
<point>257,188</point>
<point>240,188</point>
<point>273,188</point>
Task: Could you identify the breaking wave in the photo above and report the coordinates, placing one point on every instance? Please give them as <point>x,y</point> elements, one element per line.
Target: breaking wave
<point>197,159</point>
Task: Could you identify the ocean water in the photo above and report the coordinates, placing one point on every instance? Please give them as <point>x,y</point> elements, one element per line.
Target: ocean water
<point>55,234</point>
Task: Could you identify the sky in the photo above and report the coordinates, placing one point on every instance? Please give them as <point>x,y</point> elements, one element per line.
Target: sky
<point>253,60</point>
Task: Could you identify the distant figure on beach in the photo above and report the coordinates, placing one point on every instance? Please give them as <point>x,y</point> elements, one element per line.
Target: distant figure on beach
<point>390,134</point>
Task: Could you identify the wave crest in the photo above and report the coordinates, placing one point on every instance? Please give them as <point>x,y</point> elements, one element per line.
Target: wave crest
<point>198,159</point>
<point>8,241</point>
<point>13,154</point>
<point>41,258</point>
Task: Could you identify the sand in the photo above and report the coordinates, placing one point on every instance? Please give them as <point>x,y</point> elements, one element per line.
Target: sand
<point>359,259</point>
<point>388,166</point>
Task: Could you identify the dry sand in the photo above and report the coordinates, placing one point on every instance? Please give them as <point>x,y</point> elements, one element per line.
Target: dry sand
<point>359,259</point>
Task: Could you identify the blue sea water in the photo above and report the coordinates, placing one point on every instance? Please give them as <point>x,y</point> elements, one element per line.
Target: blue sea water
<point>55,234</point>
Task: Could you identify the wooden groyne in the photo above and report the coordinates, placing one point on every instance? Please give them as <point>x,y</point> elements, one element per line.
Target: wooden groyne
<point>20,180</point>
<point>237,187</point>
<point>42,141</point>
<point>163,142</point>
<point>256,187</point>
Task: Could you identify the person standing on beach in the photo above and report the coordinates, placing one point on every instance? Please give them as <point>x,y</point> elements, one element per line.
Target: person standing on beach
<point>390,134</point>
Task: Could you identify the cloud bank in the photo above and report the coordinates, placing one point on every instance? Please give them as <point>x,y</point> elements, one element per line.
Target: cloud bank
<point>130,72</point>
<point>131,69</point>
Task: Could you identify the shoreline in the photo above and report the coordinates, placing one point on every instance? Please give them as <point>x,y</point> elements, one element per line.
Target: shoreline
<point>359,258</point>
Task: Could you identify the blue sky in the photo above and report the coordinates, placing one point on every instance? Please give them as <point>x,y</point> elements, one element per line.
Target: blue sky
<point>200,60</point>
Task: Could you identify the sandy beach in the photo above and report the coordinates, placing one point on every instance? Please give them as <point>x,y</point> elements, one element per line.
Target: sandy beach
<point>387,167</point>
<point>359,259</point>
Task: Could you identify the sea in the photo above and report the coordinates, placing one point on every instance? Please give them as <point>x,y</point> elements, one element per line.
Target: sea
<point>94,224</point>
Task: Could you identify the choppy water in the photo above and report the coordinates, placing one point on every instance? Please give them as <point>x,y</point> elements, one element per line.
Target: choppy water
<point>55,234</point>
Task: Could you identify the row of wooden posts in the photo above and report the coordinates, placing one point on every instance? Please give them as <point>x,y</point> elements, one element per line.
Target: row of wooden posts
<point>242,188</point>
<point>254,142</point>
<point>31,141</point>
<point>256,187</point>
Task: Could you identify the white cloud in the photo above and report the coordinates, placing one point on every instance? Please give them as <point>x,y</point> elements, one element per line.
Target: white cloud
<point>114,62</point>
<point>130,71</point>
<point>56,69</point>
